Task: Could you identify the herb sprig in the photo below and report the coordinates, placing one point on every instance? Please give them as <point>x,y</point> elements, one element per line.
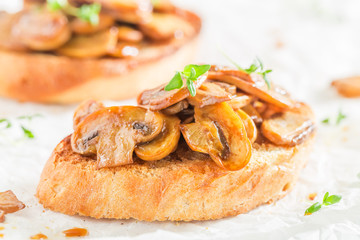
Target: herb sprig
<point>86,12</point>
<point>327,200</point>
<point>256,67</point>
<point>191,73</point>
<point>340,117</point>
<point>27,132</point>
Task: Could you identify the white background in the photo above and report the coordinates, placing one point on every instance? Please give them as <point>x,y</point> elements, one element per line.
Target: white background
<point>307,43</point>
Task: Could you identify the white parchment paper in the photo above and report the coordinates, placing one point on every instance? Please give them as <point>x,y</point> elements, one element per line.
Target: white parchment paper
<point>307,43</point>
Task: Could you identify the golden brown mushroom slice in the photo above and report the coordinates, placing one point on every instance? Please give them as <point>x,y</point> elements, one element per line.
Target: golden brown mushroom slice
<point>125,50</point>
<point>195,136</point>
<point>225,135</point>
<point>253,113</point>
<point>158,99</point>
<point>79,26</point>
<point>85,109</point>
<point>290,128</point>
<point>163,26</point>
<point>224,70</point>
<point>129,34</point>
<point>163,144</point>
<point>227,87</point>
<point>90,46</point>
<point>257,88</point>
<point>239,101</point>
<point>348,87</point>
<point>129,11</point>
<point>41,29</point>
<point>113,133</point>
<point>208,94</point>
<point>251,130</point>
<point>9,203</point>
<point>176,108</point>
<point>7,39</point>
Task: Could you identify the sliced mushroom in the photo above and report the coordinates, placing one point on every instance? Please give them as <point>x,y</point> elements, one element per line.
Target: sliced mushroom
<point>195,135</point>
<point>227,142</point>
<point>95,45</point>
<point>251,130</point>
<point>129,11</point>
<point>239,100</point>
<point>124,50</point>
<point>158,99</point>
<point>253,113</point>
<point>162,145</point>
<point>348,87</point>
<point>208,94</point>
<point>9,202</point>
<point>257,88</point>
<point>223,70</point>
<point>291,128</point>
<point>163,26</point>
<point>227,87</point>
<point>80,26</point>
<point>7,39</point>
<point>113,133</point>
<point>176,108</point>
<point>129,34</point>
<point>85,109</point>
<point>41,29</point>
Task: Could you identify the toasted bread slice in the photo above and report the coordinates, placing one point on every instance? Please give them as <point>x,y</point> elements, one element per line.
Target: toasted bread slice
<point>184,186</point>
<point>48,78</point>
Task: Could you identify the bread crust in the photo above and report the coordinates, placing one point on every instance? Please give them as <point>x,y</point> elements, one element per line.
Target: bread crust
<point>47,78</point>
<point>184,186</point>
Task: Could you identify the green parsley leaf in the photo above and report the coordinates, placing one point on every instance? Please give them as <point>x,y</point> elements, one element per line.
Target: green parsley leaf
<point>90,13</point>
<point>191,73</point>
<point>313,208</point>
<point>325,196</point>
<point>326,121</point>
<point>358,175</point>
<point>331,199</point>
<point>8,123</point>
<point>27,132</point>
<point>340,117</point>
<point>175,83</point>
<point>198,70</point>
<point>191,86</point>
<point>56,4</point>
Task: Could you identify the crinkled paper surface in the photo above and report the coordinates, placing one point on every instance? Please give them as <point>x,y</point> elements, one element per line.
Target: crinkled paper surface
<point>307,43</point>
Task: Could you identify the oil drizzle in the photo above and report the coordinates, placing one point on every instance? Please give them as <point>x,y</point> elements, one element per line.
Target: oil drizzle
<point>76,232</point>
<point>39,236</point>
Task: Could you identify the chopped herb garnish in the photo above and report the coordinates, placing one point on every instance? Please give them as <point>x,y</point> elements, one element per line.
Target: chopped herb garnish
<point>314,208</point>
<point>8,123</point>
<point>327,200</point>
<point>27,132</point>
<point>256,67</point>
<point>86,12</point>
<point>29,117</point>
<point>326,121</point>
<point>340,117</point>
<point>191,73</point>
